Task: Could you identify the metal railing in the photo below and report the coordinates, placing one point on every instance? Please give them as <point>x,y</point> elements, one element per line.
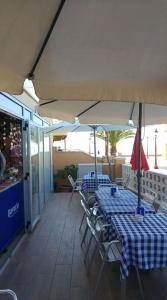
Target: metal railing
<point>151,181</point>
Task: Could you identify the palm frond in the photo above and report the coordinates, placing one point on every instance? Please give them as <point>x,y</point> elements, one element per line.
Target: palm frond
<point>113,137</point>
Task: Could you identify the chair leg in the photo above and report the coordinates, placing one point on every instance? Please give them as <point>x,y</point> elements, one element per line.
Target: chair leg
<point>123,289</point>
<point>84,236</point>
<point>140,283</point>
<point>98,280</point>
<point>72,193</point>
<point>82,221</point>
<point>87,250</point>
<point>92,258</point>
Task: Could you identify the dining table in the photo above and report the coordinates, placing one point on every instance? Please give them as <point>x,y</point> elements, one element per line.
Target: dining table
<point>90,182</point>
<point>122,197</point>
<point>124,203</point>
<point>144,243</point>
<point>143,240</point>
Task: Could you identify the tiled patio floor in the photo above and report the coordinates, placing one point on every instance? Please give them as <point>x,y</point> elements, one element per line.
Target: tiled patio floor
<point>49,263</point>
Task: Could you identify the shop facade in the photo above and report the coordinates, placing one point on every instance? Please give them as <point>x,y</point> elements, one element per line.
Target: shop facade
<point>26,180</point>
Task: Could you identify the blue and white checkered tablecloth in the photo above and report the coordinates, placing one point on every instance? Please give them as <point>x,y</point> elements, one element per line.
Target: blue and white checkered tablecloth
<point>119,206</point>
<point>144,243</point>
<point>89,183</point>
<point>125,197</point>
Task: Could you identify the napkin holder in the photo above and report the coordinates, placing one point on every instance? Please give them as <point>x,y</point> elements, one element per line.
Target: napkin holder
<point>92,174</point>
<point>139,213</point>
<point>113,189</point>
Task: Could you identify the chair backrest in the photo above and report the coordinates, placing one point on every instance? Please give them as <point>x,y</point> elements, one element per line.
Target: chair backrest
<point>119,180</point>
<point>86,208</point>
<point>112,247</point>
<point>123,182</point>
<point>95,234</point>
<point>83,196</point>
<point>150,198</point>
<point>126,181</point>
<point>71,180</point>
<point>163,207</point>
<point>9,292</point>
<point>85,205</point>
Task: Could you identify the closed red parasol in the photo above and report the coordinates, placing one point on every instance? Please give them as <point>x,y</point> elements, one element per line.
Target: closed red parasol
<point>134,158</point>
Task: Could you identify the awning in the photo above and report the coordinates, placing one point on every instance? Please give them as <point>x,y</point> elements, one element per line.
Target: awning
<point>58,137</point>
<point>97,50</point>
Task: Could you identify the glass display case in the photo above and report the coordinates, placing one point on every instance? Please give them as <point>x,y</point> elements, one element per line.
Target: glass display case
<point>11,180</point>
<point>11,160</point>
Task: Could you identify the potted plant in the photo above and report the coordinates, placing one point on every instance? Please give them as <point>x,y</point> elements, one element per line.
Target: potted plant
<point>61,178</point>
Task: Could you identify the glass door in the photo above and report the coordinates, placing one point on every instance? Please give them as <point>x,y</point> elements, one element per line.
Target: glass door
<point>34,175</point>
<point>26,173</point>
<point>41,170</point>
<point>47,166</point>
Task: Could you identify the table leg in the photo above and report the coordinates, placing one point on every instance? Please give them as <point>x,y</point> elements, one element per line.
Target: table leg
<point>123,289</point>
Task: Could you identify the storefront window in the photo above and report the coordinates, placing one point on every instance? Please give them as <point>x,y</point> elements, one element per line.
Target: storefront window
<point>11,163</point>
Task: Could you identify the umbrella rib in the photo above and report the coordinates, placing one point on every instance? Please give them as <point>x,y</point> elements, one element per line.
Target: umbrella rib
<point>48,102</point>
<point>54,21</point>
<point>87,109</point>
<point>75,128</point>
<point>132,110</point>
<point>55,129</point>
<point>104,128</point>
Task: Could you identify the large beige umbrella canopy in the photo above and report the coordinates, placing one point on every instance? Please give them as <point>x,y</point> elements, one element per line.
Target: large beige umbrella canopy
<point>94,112</point>
<point>86,50</point>
<point>94,50</point>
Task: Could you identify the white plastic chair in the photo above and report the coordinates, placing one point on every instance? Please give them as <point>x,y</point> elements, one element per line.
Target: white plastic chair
<point>122,183</point>
<point>9,292</point>
<point>76,185</point>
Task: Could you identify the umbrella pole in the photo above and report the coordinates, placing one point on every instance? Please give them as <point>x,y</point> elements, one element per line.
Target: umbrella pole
<point>139,155</point>
<point>94,134</point>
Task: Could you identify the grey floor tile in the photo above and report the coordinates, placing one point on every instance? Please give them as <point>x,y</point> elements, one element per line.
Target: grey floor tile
<point>60,288</point>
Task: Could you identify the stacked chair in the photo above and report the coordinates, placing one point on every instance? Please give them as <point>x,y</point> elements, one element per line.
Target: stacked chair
<point>90,208</point>
<point>109,252</point>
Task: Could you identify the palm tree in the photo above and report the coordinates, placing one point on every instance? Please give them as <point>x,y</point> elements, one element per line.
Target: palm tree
<point>113,137</point>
